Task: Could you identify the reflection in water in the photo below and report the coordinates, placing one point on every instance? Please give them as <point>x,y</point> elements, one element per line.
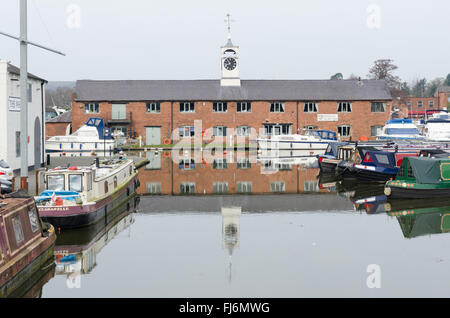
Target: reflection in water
<point>232,173</point>
<point>230,231</point>
<point>76,249</point>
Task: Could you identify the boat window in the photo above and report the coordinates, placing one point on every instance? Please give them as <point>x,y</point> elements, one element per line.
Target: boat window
<point>382,159</point>
<point>115,181</point>
<point>55,182</point>
<point>402,131</point>
<point>75,183</point>
<point>106,186</point>
<point>33,220</point>
<point>17,226</point>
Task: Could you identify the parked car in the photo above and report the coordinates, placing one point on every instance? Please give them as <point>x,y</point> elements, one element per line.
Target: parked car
<point>6,172</point>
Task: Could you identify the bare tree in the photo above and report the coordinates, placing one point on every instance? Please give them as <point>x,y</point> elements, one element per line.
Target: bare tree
<point>383,70</point>
<point>61,97</point>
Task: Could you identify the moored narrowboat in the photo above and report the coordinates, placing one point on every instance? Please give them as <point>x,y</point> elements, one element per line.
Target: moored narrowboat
<point>420,178</point>
<point>26,245</point>
<point>80,196</point>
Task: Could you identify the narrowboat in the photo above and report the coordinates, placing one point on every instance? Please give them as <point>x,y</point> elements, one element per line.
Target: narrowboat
<point>91,137</point>
<point>421,178</point>
<point>328,161</point>
<point>80,196</point>
<point>26,245</point>
<point>310,140</point>
<point>429,217</point>
<point>348,157</point>
<point>76,250</point>
<point>400,129</point>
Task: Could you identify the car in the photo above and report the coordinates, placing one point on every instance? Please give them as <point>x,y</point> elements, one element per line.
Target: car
<point>6,172</point>
<point>5,186</point>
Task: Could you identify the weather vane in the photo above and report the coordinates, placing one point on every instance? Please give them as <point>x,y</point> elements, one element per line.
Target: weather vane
<point>228,21</point>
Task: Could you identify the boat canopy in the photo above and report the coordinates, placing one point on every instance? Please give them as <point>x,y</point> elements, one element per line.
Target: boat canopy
<point>332,149</point>
<point>103,132</point>
<point>399,121</point>
<point>323,134</point>
<point>429,170</point>
<point>379,159</point>
<point>424,224</point>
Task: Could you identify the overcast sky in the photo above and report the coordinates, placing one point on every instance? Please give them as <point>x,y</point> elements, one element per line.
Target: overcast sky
<point>179,39</point>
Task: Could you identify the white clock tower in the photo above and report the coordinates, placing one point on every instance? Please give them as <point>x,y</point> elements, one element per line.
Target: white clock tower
<point>230,62</point>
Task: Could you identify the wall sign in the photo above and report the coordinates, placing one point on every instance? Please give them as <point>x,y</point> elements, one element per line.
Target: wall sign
<point>14,104</point>
<point>327,117</point>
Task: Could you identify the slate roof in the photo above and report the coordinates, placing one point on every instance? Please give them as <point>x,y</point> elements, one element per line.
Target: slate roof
<point>15,70</point>
<point>65,117</point>
<point>210,90</point>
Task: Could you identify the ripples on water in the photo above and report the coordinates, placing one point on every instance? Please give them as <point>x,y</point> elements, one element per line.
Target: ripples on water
<point>255,229</point>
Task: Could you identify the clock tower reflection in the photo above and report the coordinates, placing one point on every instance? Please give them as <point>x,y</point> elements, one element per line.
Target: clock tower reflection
<point>230,232</point>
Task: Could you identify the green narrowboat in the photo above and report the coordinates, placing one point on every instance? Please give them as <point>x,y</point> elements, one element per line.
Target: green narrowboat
<point>420,178</point>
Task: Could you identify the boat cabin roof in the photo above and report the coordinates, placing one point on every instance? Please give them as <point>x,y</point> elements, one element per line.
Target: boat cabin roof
<point>379,159</point>
<point>425,170</point>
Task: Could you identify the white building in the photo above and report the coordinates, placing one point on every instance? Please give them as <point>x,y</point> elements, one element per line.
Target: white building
<point>10,117</point>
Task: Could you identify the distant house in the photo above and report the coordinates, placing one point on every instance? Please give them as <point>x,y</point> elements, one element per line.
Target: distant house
<point>59,126</point>
<point>10,129</point>
<point>443,95</point>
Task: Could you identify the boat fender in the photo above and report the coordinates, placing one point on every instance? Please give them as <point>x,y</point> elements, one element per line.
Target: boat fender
<point>387,191</point>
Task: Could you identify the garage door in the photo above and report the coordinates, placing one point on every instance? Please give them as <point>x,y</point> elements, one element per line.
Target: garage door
<point>152,136</point>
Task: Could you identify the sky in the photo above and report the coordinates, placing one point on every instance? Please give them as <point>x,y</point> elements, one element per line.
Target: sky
<point>179,39</point>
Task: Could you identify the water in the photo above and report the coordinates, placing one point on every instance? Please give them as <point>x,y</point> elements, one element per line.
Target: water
<point>317,239</point>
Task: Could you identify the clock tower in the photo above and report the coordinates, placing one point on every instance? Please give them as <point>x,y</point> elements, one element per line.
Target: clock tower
<point>230,62</point>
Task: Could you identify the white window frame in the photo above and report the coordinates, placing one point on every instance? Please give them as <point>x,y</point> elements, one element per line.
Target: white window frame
<point>189,185</point>
<point>185,107</point>
<point>374,109</point>
<point>220,164</point>
<point>220,187</point>
<point>91,108</point>
<point>244,187</point>
<point>345,126</point>
<point>278,107</point>
<point>243,163</point>
<point>244,107</point>
<point>419,104</point>
<point>153,188</point>
<point>220,107</point>
<point>243,131</point>
<point>379,130</point>
<point>431,103</point>
<point>277,186</point>
<point>217,129</point>
<point>344,107</point>
<point>184,130</point>
<point>310,107</point>
<point>153,108</point>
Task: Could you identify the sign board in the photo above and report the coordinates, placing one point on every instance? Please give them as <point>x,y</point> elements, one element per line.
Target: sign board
<point>327,117</point>
<point>14,104</point>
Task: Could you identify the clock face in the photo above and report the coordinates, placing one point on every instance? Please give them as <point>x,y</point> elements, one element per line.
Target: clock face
<point>230,63</point>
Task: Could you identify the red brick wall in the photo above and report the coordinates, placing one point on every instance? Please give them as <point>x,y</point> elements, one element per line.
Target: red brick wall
<point>414,103</point>
<point>444,99</point>
<point>259,115</point>
<point>55,129</point>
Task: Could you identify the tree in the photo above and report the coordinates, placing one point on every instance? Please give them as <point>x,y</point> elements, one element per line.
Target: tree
<point>447,80</point>
<point>353,77</point>
<point>61,97</point>
<point>406,89</point>
<point>432,86</point>
<point>337,76</point>
<point>383,70</point>
<point>419,87</point>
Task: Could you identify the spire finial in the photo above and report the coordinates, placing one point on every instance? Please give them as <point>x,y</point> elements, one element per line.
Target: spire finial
<point>228,21</point>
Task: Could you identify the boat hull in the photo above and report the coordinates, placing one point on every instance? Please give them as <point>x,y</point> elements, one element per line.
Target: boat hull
<point>405,193</point>
<point>63,217</point>
<point>293,145</point>
<point>328,165</point>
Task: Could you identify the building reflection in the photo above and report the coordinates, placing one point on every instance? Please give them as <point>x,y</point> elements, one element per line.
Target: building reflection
<point>76,249</point>
<point>234,173</point>
<point>231,217</point>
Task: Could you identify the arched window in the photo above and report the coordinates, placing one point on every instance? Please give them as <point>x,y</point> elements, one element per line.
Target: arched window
<point>115,181</point>
<point>106,186</point>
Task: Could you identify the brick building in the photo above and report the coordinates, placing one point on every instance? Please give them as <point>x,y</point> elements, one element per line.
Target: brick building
<point>154,109</point>
<point>59,126</point>
<point>443,95</point>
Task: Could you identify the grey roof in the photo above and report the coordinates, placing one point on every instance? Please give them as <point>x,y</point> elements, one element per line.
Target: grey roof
<point>444,89</point>
<point>210,90</point>
<point>65,117</point>
<point>15,70</point>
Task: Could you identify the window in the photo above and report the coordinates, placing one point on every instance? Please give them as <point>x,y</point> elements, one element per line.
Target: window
<point>220,164</point>
<point>244,107</point>
<point>311,127</point>
<point>269,165</point>
<point>244,187</point>
<point>243,163</point>
<point>220,107</point>
<point>310,107</point>
<point>243,131</point>
<point>186,164</point>
<point>30,92</point>
<point>376,130</point>
<point>55,182</point>
<point>17,144</point>
<point>344,131</point>
<point>277,129</point>
<point>219,131</point>
<point>419,103</point>
<point>187,107</point>
<point>17,226</point>
<point>153,188</point>
<point>431,103</point>
<point>186,131</point>
<point>106,186</point>
<point>91,108</point>
<point>153,108</point>
<point>311,186</point>
<point>115,181</point>
<point>277,107</point>
<point>187,188</point>
<point>33,220</point>
<point>344,107</point>
<point>378,107</point>
<point>75,183</point>
<point>277,186</point>
<point>220,187</point>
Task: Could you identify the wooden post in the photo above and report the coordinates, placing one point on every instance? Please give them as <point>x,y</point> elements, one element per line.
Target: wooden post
<point>13,183</point>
